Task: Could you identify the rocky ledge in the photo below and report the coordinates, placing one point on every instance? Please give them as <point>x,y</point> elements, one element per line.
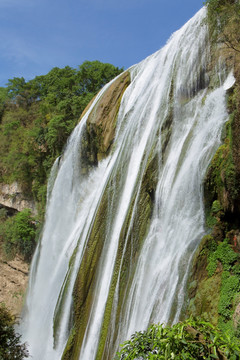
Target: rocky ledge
<point>11,196</point>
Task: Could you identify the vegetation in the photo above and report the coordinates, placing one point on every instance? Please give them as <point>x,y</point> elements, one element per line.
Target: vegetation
<point>192,339</point>
<point>36,118</point>
<point>18,234</point>
<point>10,346</point>
<point>223,18</point>
<point>217,263</point>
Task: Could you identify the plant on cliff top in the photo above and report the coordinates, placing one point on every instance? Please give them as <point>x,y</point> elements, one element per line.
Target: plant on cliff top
<point>190,340</point>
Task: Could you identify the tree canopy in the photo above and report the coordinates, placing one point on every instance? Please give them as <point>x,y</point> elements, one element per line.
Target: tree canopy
<point>37,116</point>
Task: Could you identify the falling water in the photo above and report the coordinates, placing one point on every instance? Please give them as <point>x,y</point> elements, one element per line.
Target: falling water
<point>170,116</point>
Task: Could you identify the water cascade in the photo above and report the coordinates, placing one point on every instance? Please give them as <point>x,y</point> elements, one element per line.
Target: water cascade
<point>120,231</point>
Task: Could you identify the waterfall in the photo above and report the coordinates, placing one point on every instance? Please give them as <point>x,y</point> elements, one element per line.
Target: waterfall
<point>119,237</point>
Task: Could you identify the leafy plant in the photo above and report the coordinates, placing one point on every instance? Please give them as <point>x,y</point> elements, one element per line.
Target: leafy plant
<point>10,346</point>
<point>225,254</point>
<point>230,286</point>
<point>192,339</point>
<point>18,234</point>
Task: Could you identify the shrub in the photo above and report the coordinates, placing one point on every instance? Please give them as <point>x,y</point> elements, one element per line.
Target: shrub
<point>225,254</point>
<point>190,340</point>
<point>10,347</point>
<point>18,234</point>
<point>230,286</point>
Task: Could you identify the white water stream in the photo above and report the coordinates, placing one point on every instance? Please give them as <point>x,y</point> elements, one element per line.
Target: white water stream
<point>172,83</point>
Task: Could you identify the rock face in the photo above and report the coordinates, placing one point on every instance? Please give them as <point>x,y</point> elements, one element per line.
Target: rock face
<point>13,273</point>
<point>214,280</point>
<point>11,196</point>
<point>101,122</point>
<point>13,283</point>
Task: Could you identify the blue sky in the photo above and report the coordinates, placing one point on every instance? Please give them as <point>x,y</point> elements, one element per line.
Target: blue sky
<point>37,35</point>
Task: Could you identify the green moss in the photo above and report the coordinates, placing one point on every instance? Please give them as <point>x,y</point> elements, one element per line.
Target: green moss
<point>210,221</point>
<point>131,238</point>
<point>216,206</point>
<point>212,264</point>
<point>205,302</point>
<point>222,182</point>
<point>219,251</point>
<point>67,354</point>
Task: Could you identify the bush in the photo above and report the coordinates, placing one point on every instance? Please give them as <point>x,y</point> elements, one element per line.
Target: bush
<point>10,347</point>
<point>18,234</point>
<point>230,286</point>
<point>223,253</point>
<point>190,340</point>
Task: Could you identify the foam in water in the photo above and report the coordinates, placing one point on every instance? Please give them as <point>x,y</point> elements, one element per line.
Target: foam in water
<point>166,110</point>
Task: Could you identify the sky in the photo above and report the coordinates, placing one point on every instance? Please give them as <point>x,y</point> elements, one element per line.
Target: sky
<point>37,35</point>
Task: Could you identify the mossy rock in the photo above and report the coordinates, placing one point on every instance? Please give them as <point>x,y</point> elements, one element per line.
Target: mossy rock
<point>205,302</point>
<point>101,122</point>
<point>131,238</point>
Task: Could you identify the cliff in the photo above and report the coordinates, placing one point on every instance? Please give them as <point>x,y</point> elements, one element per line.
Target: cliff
<point>214,282</point>
<point>13,280</point>
<point>13,197</point>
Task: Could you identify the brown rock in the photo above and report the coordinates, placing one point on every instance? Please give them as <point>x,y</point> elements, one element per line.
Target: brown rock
<point>101,122</point>
<point>13,283</point>
<point>11,195</point>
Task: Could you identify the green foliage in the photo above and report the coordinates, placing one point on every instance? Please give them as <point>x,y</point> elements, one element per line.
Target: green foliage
<point>230,286</point>
<point>37,117</point>
<point>222,181</point>
<point>209,242</point>
<point>191,339</point>
<point>210,221</point>
<point>18,234</point>
<point>223,19</point>
<point>214,214</point>
<point>3,97</point>
<point>225,254</point>
<point>228,260</point>
<point>216,206</point>
<point>10,346</point>
<point>212,264</point>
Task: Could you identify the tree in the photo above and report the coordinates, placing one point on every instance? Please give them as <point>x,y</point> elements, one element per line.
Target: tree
<point>93,75</point>
<point>3,97</point>
<point>39,115</point>
<point>10,346</point>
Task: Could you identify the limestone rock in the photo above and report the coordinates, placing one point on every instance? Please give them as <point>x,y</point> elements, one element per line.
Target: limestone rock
<point>12,196</point>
